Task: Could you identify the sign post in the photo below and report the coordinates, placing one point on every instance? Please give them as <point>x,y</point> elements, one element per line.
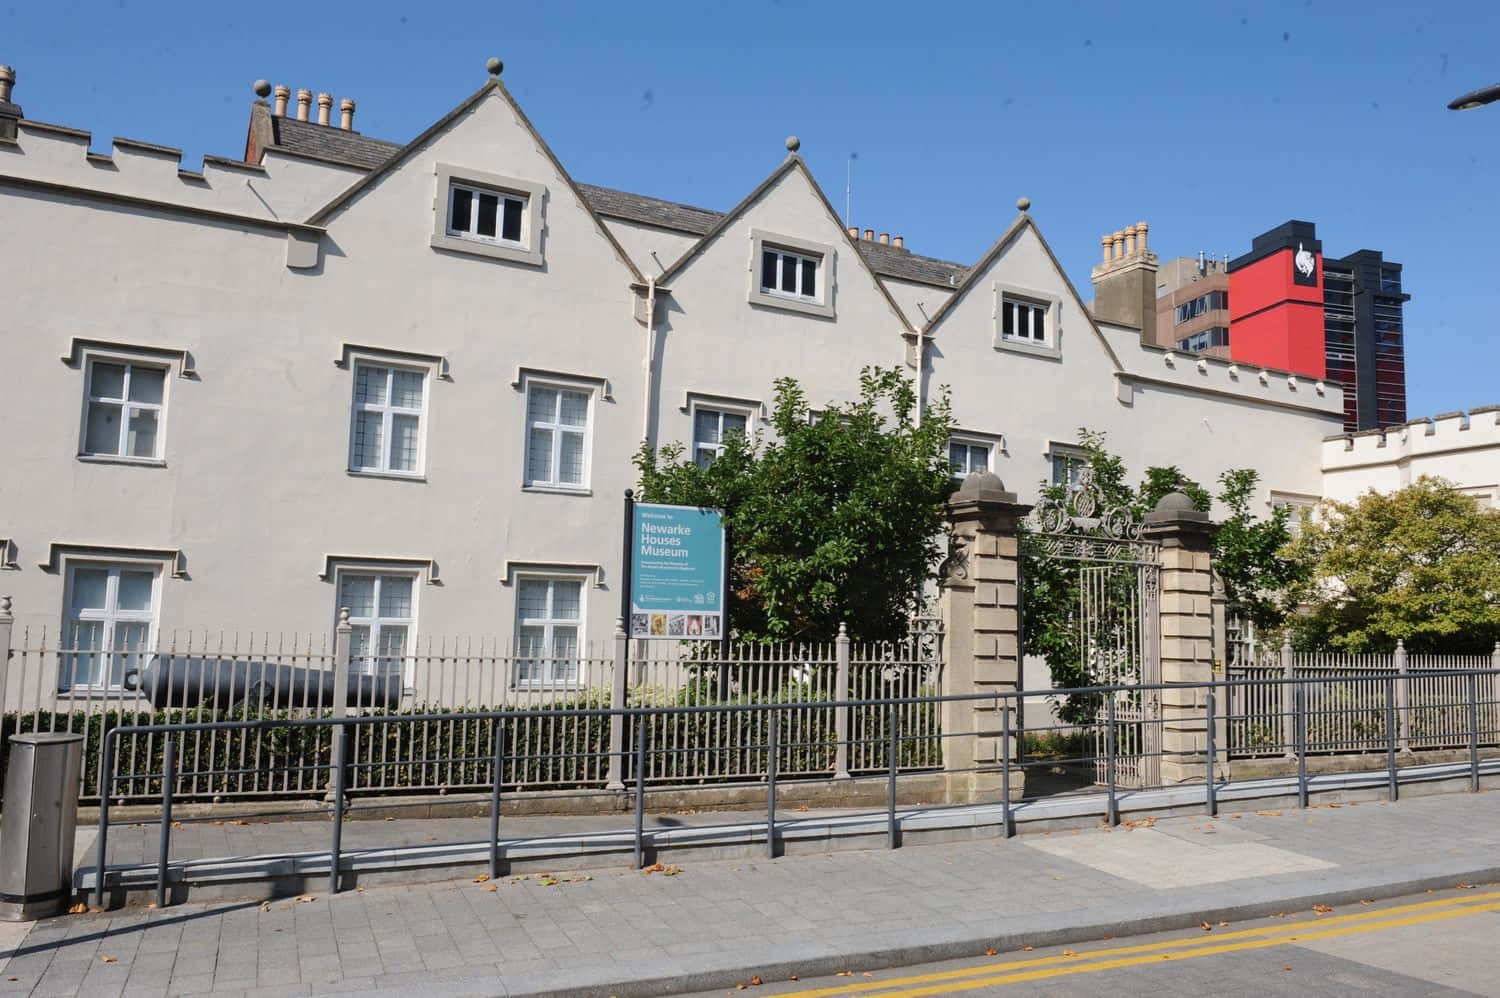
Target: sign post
<point>674,588</point>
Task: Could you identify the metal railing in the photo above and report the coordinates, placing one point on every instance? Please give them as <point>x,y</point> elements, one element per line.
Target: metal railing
<point>433,690</point>
<point>1058,760</point>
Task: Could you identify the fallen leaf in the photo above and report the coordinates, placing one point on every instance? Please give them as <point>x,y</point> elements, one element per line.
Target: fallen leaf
<point>1322,909</point>
<point>1223,923</point>
<point>991,951</point>
<point>802,808</point>
<point>794,977</point>
<point>1279,914</point>
<point>548,882</point>
<point>482,878</point>
<point>739,987</point>
<point>868,974</point>
<point>306,899</point>
<point>1269,814</point>
<point>390,819</point>
<point>1068,952</point>
<point>1366,901</point>
<point>78,908</point>
<point>359,890</point>
<point>1464,887</point>
<point>284,907</point>
<point>1205,927</point>
<point>107,959</point>
<point>265,906</point>
<point>488,887</point>
<point>242,821</point>
<point>845,973</point>
<point>178,826</point>
<point>1285,967</point>
<point>1028,949</point>
<point>755,981</point>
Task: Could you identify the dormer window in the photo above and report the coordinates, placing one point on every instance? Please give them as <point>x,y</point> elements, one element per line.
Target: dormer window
<point>474,213</point>
<point>783,272</point>
<point>791,274</point>
<point>483,214</point>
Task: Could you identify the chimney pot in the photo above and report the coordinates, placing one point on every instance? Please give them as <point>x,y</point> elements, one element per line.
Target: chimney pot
<point>869,235</point>
<point>1119,240</point>
<point>899,242</point>
<point>1140,233</point>
<point>885,238</point>
<point>346,114</point>
<point>1130,241</point>
<point>304,103</point>
<point>282,93</point>
<point>853,232</point>
<point>325,106</point>
<point>7,81</point>
<point>1108,244</point>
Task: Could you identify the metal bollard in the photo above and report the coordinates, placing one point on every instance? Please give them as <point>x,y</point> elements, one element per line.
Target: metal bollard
<point>168,774</point>
<point>1391,790</point>
<point>771,791</point>
<point>41,810</point>
<point>1211,794</point>
<point>1300,728</point>
<point>495,799</point>
<point>1112,814</point>
<point>1009,827</point>
<point>891,831</point>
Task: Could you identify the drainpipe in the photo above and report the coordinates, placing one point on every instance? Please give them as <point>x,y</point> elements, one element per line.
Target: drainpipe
<point>650,392</point>
<point>921,375</point>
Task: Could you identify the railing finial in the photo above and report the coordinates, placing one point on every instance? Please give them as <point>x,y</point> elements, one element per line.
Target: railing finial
<point>344,624</point>
<point>843,628</point>
<point>5,612</point>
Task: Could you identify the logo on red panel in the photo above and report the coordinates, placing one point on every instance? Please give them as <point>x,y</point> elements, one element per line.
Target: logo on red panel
<point>1304,267</point>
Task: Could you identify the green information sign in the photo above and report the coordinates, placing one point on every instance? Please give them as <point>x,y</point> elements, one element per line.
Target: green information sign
<point>676,572</point>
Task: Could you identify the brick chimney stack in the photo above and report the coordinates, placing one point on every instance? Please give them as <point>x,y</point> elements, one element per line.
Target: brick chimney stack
<point>1125,281</point>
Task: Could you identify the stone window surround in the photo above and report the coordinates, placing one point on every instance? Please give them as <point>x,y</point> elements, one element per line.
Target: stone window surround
<point>977,438</point>
<point>361,357</point>
<point>1052,349</point>
<point>533,225</point>
<point>595,388</point>
<point>588,577</point>
<point>823,305</point>
<point>83,354</point>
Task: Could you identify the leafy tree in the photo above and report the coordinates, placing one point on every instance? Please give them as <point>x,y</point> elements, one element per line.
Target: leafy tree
<point>1261,580</point>
<point>1420,565</point>
<point>837,517</point>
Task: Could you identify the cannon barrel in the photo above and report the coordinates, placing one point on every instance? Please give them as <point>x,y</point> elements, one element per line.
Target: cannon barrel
<point>189,681</point>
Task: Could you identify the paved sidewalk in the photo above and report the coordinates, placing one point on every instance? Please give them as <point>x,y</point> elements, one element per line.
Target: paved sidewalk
<point>624,932</point>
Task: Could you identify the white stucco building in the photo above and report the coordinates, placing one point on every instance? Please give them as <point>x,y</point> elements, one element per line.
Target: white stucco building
<point>1462,447</point>
<point>409,379</point>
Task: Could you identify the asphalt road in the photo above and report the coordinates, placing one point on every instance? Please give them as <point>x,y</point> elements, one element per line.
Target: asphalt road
<point>1441,943</point>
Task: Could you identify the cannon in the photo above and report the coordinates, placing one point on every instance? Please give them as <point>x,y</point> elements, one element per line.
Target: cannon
<point>223,684</point>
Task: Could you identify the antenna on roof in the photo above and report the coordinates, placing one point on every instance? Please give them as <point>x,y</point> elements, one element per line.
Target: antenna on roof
<point>849,187</point>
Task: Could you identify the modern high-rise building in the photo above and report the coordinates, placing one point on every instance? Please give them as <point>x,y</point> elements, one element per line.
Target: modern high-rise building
<point>1192,306</point>
<point>1335,319</point>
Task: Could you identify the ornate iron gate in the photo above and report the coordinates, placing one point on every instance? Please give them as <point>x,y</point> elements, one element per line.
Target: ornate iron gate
<point>1116,620</point>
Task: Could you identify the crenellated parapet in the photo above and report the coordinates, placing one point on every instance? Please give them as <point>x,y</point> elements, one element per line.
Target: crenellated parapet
<point>1444,433</point>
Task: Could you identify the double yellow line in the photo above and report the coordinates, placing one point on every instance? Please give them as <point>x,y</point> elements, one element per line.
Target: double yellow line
<point>1040,968</point>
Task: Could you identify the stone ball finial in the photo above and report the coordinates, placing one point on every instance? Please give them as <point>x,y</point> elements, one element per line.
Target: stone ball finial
<point>793,143</point>
<point>1176,502</point>
<point>1023,204</point>
<point>981,481</point>
<point>262,88</point>
<point>494,66</point>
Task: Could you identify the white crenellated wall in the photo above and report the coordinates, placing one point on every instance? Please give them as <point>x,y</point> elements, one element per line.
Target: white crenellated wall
<point>1463,448</point>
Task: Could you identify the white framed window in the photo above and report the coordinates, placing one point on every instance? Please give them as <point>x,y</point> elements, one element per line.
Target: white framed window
<point>1023,320</point>
<point>969,456</point>
<point>124,410</point>
<point>711,424</point>
<point>791,274</point>
<point>387,428</point>
<point>549,630</point>
<point>794,275</point>
<point>1300,509</point>
<point>383,614</point>
<point>488,215</point>
<point>1066,463</point>
<point>558,418</point>
<point>109,622</point>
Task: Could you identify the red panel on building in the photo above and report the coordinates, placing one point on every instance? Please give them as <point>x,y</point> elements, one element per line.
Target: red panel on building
<point>1276,309</point>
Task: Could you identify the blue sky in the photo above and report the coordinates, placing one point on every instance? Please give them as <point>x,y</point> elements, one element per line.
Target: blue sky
<point>1212,121</point>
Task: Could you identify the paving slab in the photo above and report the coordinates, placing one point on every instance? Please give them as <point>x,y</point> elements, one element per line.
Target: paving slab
<point>631,933</point>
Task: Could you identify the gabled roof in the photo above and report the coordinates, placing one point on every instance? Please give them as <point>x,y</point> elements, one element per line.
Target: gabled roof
<point>327,142</point>
<point>494,85</point>
<point>793,162</point>
<point>650,211</point>
<point>1021,224</point>
<point>885,259</point>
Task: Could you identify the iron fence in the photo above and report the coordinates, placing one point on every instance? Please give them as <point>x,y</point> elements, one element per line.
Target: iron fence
<point>1059,761</point>
<point>429,694</point>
